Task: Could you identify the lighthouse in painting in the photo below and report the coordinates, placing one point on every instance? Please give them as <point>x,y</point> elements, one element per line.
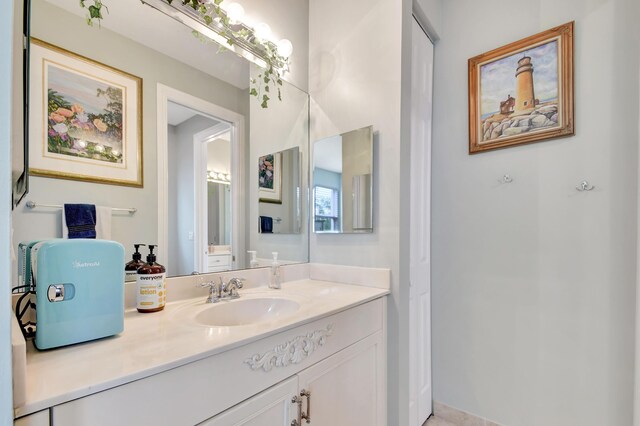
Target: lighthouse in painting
<point>525,96</point>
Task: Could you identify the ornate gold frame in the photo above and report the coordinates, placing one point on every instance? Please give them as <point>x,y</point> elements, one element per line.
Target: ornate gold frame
<point>139,183</point>
<point>565,95</point>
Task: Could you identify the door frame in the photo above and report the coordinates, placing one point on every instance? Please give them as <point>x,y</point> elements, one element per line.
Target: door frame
<point>200,220</point>
<point>165,94</point>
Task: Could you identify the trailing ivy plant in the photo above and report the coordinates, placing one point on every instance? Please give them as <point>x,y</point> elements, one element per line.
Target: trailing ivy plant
<point>266,85</point>
<point>94,10</point>
<point>269,82</point>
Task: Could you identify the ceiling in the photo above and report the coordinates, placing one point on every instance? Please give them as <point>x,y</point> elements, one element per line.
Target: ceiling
<point>153,29</point>
<point>178,114</point>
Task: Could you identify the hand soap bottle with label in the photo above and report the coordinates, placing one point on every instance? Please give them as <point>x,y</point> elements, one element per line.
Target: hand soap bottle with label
<point>151,294</point>
<point>131,268</point>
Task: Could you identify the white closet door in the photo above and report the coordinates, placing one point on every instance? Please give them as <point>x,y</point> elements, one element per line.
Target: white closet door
<point>420,258</point>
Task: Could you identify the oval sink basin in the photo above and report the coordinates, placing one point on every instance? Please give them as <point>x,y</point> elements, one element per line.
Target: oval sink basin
<point>246,312</point>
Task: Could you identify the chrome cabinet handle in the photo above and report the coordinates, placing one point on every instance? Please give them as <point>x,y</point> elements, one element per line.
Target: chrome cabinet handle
<point>298,401</point>
<point>307,415</point>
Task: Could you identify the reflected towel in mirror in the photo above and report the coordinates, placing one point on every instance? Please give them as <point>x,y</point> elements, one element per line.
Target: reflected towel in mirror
<point>266,225</point>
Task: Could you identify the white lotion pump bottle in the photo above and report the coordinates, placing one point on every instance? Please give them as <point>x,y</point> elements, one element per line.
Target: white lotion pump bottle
<point>253,262</point>
<point>274,282</point>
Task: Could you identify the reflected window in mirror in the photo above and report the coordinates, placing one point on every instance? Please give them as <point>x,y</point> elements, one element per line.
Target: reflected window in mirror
<point>326,208</point>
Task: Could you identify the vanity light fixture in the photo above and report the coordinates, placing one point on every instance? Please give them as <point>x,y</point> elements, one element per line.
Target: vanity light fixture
<point>285,47</point>
<point>262,31</point>
<point>243,40</point>
<point>235,12</point>
<point>218,177</point>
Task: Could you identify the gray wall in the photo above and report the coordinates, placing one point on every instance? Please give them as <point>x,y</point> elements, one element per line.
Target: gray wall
<point>533,283</point>
<point>6,27</point>
<point>153,68</point>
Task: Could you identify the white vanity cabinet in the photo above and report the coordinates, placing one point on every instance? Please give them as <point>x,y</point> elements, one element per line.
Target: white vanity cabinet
<point>345,389</point>
<point>218,262</point>
<point>272,407</point>
<point>41,418</point>
<point>339,359</point>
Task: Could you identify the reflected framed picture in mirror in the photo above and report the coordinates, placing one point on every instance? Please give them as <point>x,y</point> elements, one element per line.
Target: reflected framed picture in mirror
<point>270,178</point>
<point>86,119</point>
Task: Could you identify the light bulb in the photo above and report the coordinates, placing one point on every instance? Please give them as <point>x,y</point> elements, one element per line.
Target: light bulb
<point>285,48</point>
<point>262,31</point>
<point>235,12</point>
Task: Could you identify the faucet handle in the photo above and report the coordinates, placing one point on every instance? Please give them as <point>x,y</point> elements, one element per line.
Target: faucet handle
<point>237,281</point>
<point>203,283</point>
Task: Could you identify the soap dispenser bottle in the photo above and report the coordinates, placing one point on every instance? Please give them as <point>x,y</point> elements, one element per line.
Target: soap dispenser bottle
<point>274,282</point>
<point>131,268</point>
<point>151,292</point>
<point>253,262</point>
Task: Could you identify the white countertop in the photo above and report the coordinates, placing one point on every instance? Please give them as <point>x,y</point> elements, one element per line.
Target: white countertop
<point>156,342</point>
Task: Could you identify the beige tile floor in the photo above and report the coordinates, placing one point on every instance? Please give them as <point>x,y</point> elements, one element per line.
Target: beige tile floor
<point>434,421</point>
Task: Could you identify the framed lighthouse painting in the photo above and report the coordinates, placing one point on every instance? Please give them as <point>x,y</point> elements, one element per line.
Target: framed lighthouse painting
<point>522,92</point>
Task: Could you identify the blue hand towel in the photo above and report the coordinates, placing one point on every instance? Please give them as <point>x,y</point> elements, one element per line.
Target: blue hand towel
<point>266,225</point>
<point>81,220</point>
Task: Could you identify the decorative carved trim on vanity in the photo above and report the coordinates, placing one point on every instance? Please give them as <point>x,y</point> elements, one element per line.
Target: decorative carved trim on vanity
<point>294,351</point>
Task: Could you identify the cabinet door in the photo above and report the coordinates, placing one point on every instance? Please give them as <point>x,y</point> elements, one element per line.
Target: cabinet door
<point>41,418</point>
<point>348,388</point>
<point>272,407</point>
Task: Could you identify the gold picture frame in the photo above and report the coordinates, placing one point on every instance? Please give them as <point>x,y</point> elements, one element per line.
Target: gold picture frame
<point>86,119</point>
<point>538,71</point>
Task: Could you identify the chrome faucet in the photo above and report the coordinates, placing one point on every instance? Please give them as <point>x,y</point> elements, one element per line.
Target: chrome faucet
<point>223,291</point>
<point>230,289</point>
<point>215,291</point>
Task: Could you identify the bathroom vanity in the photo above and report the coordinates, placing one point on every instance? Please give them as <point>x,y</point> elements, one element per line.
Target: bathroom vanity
<point>315,349</point>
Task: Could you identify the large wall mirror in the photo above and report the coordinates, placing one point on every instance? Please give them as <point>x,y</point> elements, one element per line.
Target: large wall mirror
<point>343,183</point>
<point>191,132</point>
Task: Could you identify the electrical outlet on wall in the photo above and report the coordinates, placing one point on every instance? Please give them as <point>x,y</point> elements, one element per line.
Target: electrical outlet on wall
<point>190,236</point>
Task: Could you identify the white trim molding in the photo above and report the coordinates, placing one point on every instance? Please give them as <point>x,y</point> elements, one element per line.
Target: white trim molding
<point>294,351</point>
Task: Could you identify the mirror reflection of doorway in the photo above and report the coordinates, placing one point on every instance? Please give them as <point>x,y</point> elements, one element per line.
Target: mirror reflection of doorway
<point>199,192</point>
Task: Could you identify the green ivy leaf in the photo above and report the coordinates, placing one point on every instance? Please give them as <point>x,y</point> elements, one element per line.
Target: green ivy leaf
<point>266,89</point>
<point>94,12</point>
<point>253,92</point>
<point>279,95</point>
<point>208,19</point>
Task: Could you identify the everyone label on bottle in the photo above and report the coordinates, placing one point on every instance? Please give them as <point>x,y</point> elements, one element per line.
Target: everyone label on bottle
<point>151,291</point>
<point>130,276</point>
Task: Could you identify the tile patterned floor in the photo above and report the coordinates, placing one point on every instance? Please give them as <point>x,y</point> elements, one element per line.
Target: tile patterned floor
<point>434,421</point>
